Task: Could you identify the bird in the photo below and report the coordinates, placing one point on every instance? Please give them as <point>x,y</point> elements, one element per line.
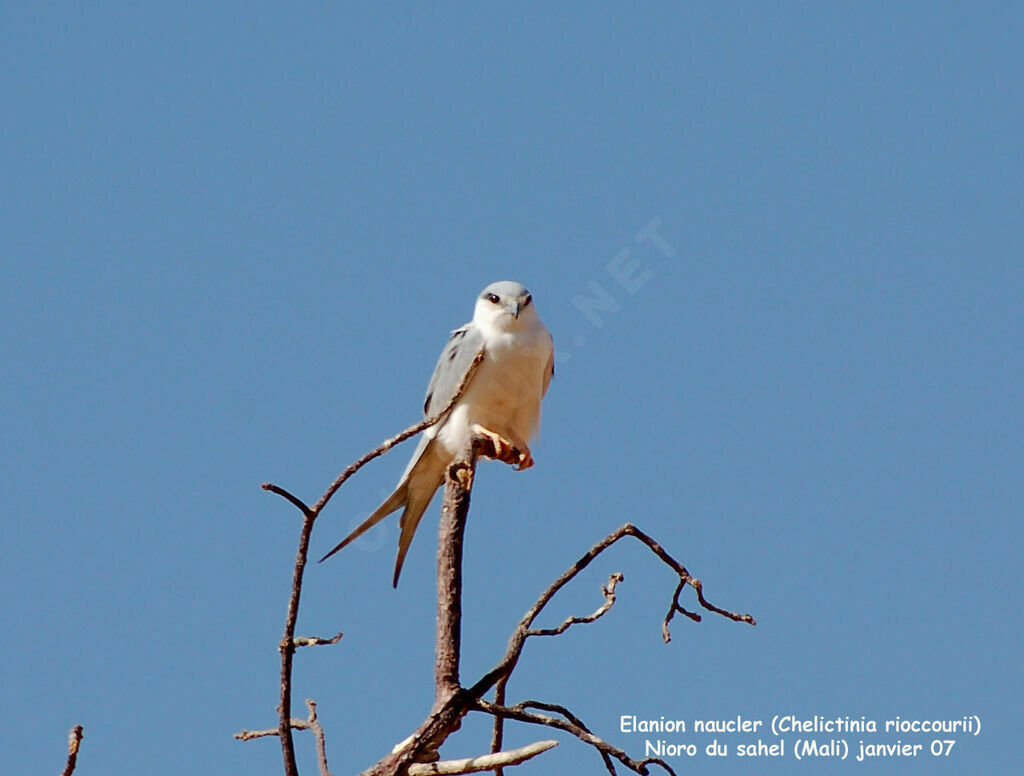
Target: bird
<point>501,401</point>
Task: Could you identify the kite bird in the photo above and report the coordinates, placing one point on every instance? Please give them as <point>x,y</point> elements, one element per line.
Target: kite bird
<point>501,402</point>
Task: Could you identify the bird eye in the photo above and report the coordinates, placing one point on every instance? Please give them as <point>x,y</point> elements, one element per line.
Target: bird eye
<point>493,298</point>
<point>529,298</point>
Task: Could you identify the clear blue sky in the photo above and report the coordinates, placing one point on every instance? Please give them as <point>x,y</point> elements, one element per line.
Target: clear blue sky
<point>234,239</point>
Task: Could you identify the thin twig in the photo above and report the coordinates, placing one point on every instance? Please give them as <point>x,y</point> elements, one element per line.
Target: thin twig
<point>608,591</point>
<point>519,713</point>
<point>674,607</point>
<point>312,723</point>
<point>315,641</point>
<point>287,648</point>
<point>299,503</point>
<point>249,735</point>
<point>74,741</point>
<point>486,762</point>
<point>557,709</point>
<point>498,734</point>
<point>515,648</point>
<point>318,733</point>
<point>444,720</point>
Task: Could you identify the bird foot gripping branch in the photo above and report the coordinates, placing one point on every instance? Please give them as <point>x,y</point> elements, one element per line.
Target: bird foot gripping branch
<point>496,447</point>
<point>461,473</point>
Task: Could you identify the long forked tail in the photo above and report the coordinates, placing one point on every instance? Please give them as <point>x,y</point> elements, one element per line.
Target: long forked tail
<point>421,479</point>
<point>418,500</point>
<point>395,500</point>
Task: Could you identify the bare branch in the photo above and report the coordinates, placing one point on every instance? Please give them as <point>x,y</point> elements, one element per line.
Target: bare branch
<point>697,585</point>
<point>557,709</point>
<point>315,641</point>
<point>318,733</point>
<point>486,762</point>
<point>498,734</point>
<point>608,591</point>
<point>312,723</point>
<point>74,741</point>
<point>674,607</point>
<point>287,648</point>
<point>515,648</point>
<point>249,735</point>
<point>446,717</point>
<point>454,511</point>
<point>569,725</point>
<point>299,503</point>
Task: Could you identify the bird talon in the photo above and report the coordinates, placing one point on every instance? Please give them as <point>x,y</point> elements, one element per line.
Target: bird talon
<point>504,450</point>
<point>525,461</point>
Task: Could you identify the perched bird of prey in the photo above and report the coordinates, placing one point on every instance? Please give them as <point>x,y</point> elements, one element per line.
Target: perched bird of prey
<point>501,401</point>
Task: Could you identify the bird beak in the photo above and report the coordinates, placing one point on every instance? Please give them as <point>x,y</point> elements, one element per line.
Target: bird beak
<point>513,308</point>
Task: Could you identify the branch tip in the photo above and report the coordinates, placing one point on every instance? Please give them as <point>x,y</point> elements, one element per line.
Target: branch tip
<point>315,641</point>
<point>485,762</point>
<point>74,741</point>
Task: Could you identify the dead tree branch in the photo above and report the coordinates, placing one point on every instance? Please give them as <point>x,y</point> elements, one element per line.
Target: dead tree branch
<point>571,724</point>
<point>523,632</point>
<point>448,641</point>
<point>311,723</point>
<point>288,643</point>
<point>446,717</point>
<point>608,591</point>
<point>571,718</point>
<point>74,741</point>
<point>315,641</point>
<point>486,762</point>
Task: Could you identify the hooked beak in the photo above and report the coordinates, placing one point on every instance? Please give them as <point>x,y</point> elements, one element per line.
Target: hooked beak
<point>513,307</point>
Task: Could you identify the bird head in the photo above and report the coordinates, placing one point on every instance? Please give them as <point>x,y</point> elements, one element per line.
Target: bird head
<point>504,305</point>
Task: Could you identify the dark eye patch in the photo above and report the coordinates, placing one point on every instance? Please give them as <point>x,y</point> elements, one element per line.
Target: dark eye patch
<point>493,298</point>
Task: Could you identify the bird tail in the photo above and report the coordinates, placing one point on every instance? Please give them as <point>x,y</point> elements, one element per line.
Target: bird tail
<point>415,491</point>
<point>417,503</point>
<point>395,500</point>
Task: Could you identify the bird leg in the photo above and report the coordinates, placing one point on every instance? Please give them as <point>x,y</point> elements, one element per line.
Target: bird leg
<point>515,452</point>
<point>462,473</point>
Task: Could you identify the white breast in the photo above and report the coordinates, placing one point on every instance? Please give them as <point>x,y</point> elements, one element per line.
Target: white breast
<point>506,392</point>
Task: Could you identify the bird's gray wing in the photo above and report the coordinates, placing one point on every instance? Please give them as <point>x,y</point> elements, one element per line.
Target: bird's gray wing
<point>456,358</point>
<point>549,370</point>
<point>425,472</point>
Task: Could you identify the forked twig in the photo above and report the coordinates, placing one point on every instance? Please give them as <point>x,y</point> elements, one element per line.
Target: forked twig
<point>312,723</point>
<point>522,631</point>
<point>445,718</point>
<point>570,725</point>
<point>608,591</point>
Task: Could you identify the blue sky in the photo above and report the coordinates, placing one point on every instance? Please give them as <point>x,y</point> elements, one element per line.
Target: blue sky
<point>234,240</point>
